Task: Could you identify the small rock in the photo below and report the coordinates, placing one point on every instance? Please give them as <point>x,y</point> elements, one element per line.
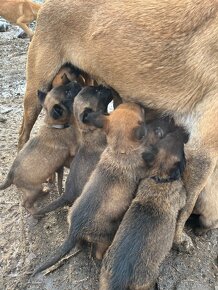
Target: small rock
<point>6,110</point>
<point>22,35</point>
<point>30,257</point>
<point>32,222</point>
<point>2,120</point>
<point>3,26</point>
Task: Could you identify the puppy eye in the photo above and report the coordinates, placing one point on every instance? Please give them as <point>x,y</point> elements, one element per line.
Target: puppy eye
<point>84,115</point>
<point>140,132</point>
<point>159,132</point>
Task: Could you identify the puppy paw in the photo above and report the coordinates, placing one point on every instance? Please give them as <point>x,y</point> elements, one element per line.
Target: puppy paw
<point>38,217</point>
<point>184,244</point>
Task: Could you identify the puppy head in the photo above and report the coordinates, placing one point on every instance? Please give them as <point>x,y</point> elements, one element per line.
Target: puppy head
<point>91,100</point>
<point>165,160</point>
<point>125,127</point>
<point>58,103</point>
<point>158,129</point>
<point>67,74</point>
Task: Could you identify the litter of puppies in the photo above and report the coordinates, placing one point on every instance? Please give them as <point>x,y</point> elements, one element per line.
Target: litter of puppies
<point>110,155</point>
<point>125,186</point>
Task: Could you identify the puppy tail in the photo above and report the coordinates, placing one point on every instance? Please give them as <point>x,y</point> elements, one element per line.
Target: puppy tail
<point>59,202</point>
<point>8,181</point>
<point>69,243</point>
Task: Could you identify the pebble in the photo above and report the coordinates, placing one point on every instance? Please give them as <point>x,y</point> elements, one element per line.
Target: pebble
<point>3,26</point>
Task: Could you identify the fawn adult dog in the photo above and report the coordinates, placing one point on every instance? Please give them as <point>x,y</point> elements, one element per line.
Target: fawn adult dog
<point>162,54</point>
<point>97,212</point>
<point>148,227</point>
<point>20,12</point>
<point>46,153</point>
<point>92,143</point>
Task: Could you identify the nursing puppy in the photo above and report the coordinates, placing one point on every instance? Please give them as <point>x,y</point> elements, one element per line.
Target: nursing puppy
<point>20,12</point>
<point>147,231</point>
<point>72,74</point>
<point>67,73</point>
<point>92,144</point>
<point>46,153</point>
<point>97,212</point>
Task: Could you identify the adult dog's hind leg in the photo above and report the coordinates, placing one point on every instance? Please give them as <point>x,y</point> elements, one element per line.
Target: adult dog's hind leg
<point>199,168</point>
<point>207,205</point>
<point>202,151</point>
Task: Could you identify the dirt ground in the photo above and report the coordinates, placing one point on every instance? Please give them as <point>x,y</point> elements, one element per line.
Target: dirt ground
<point>25,243</point>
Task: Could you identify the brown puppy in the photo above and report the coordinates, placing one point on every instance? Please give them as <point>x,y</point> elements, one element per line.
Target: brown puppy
<point>167,63</point>
<point>147,231</point>
<point>67,74</point>
<point>92,144</point>
<point>72,73</point>
<point>44,154</point>
<point>20,12</point>
<point>97,212</point>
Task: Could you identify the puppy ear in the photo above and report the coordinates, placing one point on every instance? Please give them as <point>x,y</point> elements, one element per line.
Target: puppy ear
<point>182,133</point>
<point>41,96</point>
<point>185,135</point>
<point>81,80</point>
<point>169,119</point>
<point>105,94</point>
<point>65,79</point>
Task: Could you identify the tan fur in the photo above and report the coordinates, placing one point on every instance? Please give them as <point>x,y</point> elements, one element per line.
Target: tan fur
<point>131,154</point>
<point>146,233</point>
<point>162,54</point>
<point>92,143</point>
<point>68,72</point>
<point>207,204</point>
<point>20,12</point>
<point>47,152</point>
<point>154,211</point>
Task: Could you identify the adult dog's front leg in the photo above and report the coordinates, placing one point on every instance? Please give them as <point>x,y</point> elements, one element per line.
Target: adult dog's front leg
<point>42,66</point>
<point>32,109</point>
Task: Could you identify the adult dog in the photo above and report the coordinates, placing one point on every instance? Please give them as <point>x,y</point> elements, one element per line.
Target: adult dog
<point>20,12</point>
<point>163,54</point>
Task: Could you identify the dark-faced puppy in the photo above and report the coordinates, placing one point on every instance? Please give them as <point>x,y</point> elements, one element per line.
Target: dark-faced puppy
<point>97,212</point>
<point>146,233</point>
<point>46,153</point>
<point>92,144</point>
